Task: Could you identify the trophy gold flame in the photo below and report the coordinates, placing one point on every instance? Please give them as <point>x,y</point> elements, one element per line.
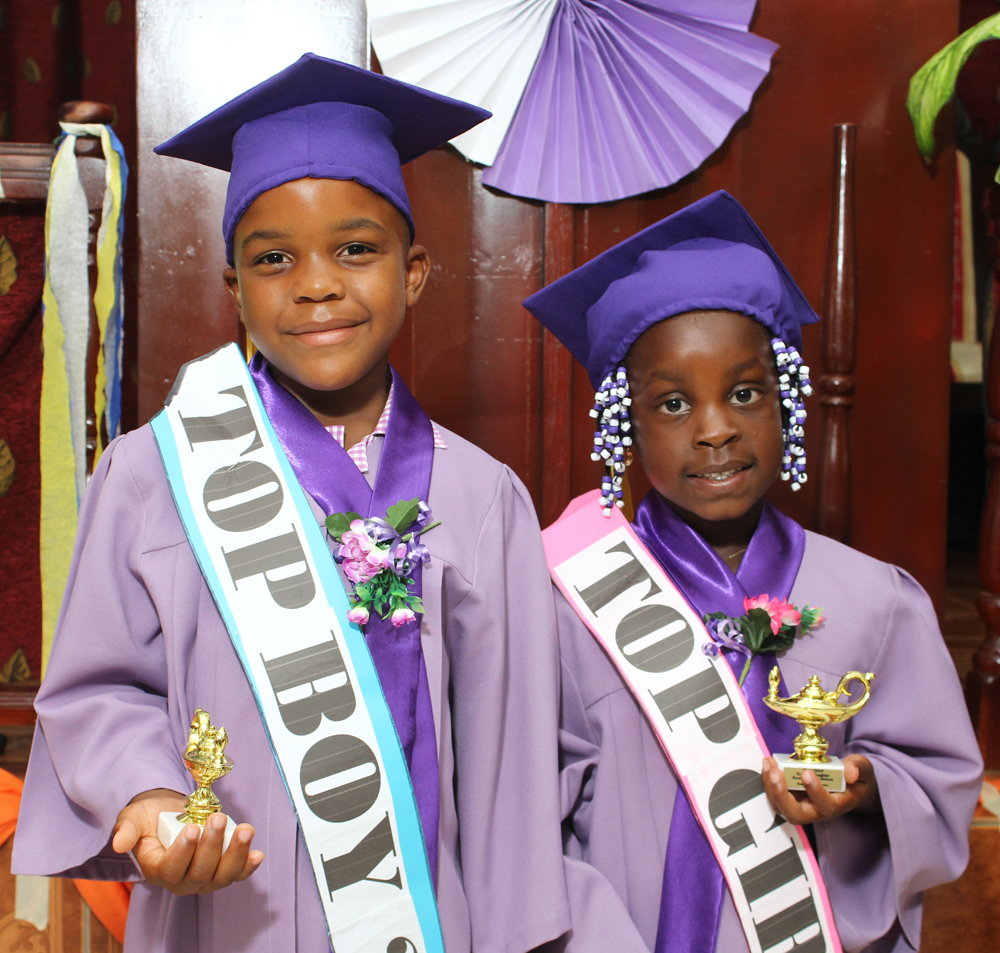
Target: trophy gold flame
<point>205,757</point>
<point>813,708</point>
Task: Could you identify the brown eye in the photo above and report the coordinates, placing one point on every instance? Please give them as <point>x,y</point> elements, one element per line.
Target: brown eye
<point>675,405</point>
<point>271,258</point>
<point>355,249</point>
<point>745,395</point>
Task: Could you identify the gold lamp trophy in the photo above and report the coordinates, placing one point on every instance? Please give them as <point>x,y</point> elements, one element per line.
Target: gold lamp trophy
<point>205,757</point>
<point>813,708</point>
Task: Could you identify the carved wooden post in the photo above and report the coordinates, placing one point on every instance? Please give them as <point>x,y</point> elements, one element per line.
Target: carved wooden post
<point>836,385</point>
<point>557,373</point>
<point>982,685</point>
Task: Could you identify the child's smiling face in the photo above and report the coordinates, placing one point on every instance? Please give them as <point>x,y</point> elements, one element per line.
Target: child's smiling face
<point>706,411</point>
<point>324,272</point>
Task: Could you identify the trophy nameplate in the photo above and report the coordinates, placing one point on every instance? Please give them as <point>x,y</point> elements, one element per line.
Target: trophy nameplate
<point>205,757</point>
<point>813,708</point>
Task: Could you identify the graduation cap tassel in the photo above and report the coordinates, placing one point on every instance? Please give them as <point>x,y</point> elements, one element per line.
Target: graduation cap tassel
<point>794,383</point>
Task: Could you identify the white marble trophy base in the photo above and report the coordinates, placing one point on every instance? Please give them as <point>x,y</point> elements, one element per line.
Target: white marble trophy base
<point>168,828</point>
<point>830,773</point>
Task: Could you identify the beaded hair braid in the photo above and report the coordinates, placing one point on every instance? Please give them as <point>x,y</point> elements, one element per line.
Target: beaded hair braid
<point>794,384</point>
<point>612,438</point>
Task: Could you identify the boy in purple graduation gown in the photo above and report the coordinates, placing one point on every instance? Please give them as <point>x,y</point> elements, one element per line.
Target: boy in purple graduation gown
<point>319,238</point>
<point>716,412</point>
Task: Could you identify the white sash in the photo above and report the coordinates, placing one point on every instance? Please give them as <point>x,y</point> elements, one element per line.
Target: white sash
<point>698,713</point>
<point>277,589</point>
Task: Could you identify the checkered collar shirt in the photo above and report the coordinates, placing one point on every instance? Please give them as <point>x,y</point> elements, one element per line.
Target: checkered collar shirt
<point>359,452</point>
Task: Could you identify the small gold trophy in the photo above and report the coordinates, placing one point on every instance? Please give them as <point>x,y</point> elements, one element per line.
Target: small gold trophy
<point>813,708</point>
<point>205,757</point>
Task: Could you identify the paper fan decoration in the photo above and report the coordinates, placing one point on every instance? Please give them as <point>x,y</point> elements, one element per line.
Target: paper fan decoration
<point>592,101</point>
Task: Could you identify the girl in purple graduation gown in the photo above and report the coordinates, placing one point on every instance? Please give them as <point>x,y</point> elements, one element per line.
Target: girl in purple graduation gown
<point>716,414</point>
<point>319,236</point>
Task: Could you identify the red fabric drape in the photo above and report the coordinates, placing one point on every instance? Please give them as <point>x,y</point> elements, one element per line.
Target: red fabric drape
<point>50,53</point>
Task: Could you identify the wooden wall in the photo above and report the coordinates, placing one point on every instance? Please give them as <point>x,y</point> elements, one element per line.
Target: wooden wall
<point>481,366</point>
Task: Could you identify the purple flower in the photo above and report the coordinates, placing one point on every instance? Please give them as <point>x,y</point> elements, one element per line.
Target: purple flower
<point>402,615</point>
<point>358,615</point>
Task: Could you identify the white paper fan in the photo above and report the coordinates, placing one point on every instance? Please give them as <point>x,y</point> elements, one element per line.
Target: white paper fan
<point>480,51</point>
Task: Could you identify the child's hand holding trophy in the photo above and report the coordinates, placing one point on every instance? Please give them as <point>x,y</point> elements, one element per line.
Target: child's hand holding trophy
<point>813,708</point>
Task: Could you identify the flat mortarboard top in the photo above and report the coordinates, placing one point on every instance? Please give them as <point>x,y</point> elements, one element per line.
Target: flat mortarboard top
<point>708,256</point>
<point>321,119</point>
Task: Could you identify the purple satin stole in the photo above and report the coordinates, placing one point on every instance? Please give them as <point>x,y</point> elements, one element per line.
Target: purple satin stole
<point>334,481</point>
<point>693,884</point>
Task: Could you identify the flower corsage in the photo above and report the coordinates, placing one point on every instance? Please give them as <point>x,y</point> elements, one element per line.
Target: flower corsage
<point>379,558</point>
<point>770,625</point>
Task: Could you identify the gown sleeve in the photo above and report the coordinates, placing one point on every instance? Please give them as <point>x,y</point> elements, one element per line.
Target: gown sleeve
<point>927,763</point>
<point>103,733</point>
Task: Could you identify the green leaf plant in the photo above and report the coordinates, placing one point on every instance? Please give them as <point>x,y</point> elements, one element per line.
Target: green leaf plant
<point>933,85</point>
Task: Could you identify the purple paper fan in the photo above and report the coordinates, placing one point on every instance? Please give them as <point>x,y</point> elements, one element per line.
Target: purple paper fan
<point>627,97</point>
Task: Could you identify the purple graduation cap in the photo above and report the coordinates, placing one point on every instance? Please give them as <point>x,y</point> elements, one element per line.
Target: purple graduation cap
<point>321,119</point>
<point>708,256</point>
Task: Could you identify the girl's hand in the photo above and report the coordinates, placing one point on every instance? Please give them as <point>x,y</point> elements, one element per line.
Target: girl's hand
<point>192,864</point>
<point>816,803</point>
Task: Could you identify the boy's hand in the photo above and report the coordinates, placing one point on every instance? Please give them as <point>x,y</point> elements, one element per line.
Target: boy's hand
<point>816,803</point>
<point>192,864</point>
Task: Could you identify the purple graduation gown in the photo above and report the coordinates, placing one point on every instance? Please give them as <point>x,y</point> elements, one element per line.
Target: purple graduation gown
<point>618,789</point>
<point>140,644</point>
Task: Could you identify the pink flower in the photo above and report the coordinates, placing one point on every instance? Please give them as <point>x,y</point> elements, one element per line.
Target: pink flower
<point>358,615</point>
<point>402,616</point>
<point>781,613</point>
<point>363,559</point>
<point>759,603</point>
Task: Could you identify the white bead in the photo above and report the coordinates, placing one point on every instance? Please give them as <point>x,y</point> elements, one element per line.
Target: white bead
<point>795,486</point>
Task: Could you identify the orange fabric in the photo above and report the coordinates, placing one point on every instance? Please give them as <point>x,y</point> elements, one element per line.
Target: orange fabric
<point>107,900</point>
<point>10,803</point>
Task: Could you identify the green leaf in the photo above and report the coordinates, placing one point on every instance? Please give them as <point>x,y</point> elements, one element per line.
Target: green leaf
<point>339,523</point>
<point>400,515</point>
<point>783,639</point>
<point>756,628</point>
<point>934,83</point>
<point>714,616</point>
